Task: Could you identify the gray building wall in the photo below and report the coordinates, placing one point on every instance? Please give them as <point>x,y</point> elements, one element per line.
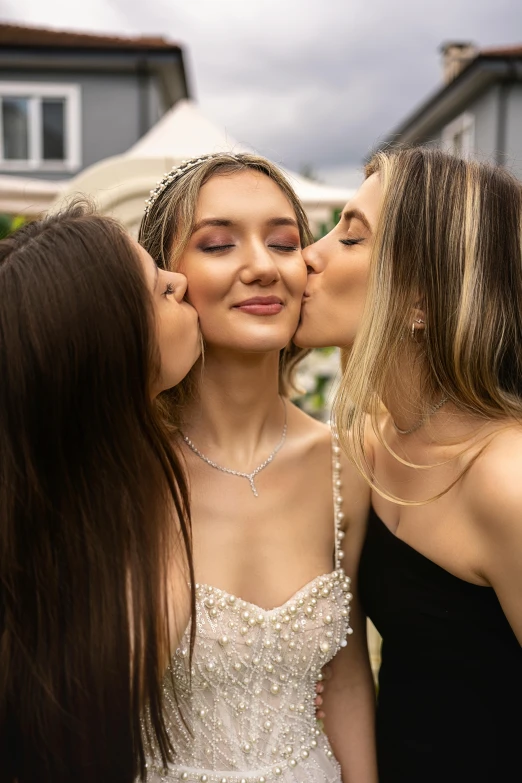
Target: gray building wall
<point>498,126</point>
<point>513,157</point>
<point>492,142</point>
<point>485,110</point>
<point>116,110</point>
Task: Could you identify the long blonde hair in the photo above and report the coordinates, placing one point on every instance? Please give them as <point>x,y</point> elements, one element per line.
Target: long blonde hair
<point>167,227</point>
<point>449,235</point>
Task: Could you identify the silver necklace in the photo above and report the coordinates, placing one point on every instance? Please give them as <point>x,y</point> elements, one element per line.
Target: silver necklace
<point>421,421</point>
<point>249,476</point>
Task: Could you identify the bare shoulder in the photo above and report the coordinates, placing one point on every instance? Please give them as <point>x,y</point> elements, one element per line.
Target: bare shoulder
<point>317,437</point>
<point>493,484</point>
<point>308,433</point>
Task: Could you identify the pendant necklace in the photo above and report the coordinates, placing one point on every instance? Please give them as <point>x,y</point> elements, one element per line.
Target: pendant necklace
<point>249,476</point>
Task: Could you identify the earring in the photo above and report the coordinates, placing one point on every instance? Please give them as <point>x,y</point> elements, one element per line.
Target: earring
<point>416,321</point>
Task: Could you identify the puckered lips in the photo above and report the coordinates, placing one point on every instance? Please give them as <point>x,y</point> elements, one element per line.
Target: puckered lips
<point>260,305</point>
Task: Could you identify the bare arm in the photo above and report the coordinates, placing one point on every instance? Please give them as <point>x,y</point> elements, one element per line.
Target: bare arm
<point>496,493</point>
<point>349,697</point>
<point>349,707</point>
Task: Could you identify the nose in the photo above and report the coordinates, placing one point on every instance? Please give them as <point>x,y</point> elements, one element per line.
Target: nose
<point>313,258</point>
<point>260,266</point>
<point>179,283</point>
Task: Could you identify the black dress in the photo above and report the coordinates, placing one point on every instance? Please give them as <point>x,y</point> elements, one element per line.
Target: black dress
<point>450,684</point>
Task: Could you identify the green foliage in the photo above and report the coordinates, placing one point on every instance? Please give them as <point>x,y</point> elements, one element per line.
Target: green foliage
<point>5,226</point>
<point>10,223</point>
<point>317,374</point>
<point>325,228</point>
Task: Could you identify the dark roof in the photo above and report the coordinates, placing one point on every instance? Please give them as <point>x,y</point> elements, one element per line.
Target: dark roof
<point>488,65</point>
<point>20,36</point>
<point>503,51</point>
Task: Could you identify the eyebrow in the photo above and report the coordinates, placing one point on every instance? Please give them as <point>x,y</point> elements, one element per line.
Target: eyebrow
<point>356,214</point>
<point>156,276</point>
<point>277,221</point>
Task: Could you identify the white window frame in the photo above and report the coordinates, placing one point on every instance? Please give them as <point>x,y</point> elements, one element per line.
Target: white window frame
<point>35,91</point>
<point>463,125</point>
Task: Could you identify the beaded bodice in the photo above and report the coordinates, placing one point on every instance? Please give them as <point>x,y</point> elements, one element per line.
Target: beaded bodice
<point>245,710</point>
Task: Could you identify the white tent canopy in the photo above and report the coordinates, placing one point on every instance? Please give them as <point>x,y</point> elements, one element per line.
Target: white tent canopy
<point>27,196</point>
<point>121,184</point>
<point>185,131</point>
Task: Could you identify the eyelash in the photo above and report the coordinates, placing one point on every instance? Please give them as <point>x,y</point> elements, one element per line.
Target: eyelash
<point>168,290</point>
<point>282,248</point>
<point>215,248</point>
<point>285,248</point>
<point>350,242</point>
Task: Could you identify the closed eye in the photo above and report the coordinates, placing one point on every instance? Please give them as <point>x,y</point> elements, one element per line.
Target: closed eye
<point>215,248</point>
<point>168,290</point>
<point>285,248</point>
<point>350,242</point>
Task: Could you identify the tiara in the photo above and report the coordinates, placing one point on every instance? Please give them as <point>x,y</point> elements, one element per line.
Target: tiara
<point>176,172</point>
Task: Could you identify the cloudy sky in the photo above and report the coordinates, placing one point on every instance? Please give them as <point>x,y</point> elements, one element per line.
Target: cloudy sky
<point>305,82</point>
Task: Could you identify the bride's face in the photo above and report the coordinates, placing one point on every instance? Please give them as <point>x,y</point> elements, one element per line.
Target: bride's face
<point>245,270</point>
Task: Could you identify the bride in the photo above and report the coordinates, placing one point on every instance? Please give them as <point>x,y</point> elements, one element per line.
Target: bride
<point>278,514</point>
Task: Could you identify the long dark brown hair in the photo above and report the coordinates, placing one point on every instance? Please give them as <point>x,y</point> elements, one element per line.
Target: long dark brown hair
<point>94,509</point>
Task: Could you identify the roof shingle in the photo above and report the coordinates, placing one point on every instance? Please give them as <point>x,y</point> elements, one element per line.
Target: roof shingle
<point>18,35</point>
<point>503,51</point>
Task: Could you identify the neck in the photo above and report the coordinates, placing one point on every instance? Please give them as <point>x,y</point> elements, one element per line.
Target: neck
<point>237,413</point>
<point>407,405</point>
<point>404,397</point>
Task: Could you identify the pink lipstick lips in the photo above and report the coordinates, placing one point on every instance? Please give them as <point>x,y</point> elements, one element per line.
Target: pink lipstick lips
<point>260,305</point>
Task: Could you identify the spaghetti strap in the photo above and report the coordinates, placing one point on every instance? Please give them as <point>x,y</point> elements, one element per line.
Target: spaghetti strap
<point>337,498</point>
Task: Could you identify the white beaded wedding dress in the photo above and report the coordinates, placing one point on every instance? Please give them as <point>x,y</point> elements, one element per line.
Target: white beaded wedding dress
<point>245,713</point>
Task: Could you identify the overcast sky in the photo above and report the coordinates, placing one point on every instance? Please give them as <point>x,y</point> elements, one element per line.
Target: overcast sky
<point>313,82</point>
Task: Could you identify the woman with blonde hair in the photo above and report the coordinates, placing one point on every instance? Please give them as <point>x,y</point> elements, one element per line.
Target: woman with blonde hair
<point>421,284</point>
<point>273,601</point>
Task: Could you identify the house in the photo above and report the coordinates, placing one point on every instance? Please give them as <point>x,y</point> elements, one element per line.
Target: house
<point>105,116</point>
<point>478,110</point>
<point>120,183</point>
<point>68,100</point>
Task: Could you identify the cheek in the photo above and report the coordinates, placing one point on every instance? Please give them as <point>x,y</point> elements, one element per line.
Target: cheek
<point>295,277</point>
<point>200,293</point>
<point>347,281</point>
<point>205,286</point>
<point>169,329</point>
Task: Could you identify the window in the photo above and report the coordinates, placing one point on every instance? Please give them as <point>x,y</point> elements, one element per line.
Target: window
<point>39,126</point>
<point>459,136</point>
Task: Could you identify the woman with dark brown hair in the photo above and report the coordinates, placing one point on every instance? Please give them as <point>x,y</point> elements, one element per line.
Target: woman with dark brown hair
<point>94,528</point>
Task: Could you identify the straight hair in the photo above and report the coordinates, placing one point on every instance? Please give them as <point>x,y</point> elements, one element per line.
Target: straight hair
<point>449,237</point>
<point>95,515</point>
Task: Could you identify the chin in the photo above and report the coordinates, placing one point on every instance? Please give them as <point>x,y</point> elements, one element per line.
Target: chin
<point>254,346</point>
<point>304,338</point>
<point>307,338</point>
<point>265,339</point>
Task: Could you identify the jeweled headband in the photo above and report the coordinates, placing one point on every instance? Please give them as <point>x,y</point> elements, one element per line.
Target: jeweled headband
<point>176,172</point>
